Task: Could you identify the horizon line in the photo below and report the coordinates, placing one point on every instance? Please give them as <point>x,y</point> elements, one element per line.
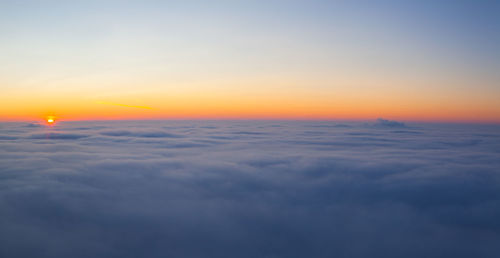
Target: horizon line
<point>432,121</point>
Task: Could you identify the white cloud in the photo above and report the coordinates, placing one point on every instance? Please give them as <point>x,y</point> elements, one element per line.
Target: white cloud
<point>249,189</point>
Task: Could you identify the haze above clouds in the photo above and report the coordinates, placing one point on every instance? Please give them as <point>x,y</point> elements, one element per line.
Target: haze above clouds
<point>249,189</point>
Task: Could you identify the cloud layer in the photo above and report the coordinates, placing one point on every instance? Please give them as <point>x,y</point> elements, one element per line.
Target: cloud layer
<point>249,189</point>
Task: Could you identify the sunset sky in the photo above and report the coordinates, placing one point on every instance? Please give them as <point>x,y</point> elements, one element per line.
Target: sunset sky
<point>250,59</point>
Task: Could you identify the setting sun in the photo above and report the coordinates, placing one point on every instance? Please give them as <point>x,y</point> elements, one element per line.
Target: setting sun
<point>50,120</point>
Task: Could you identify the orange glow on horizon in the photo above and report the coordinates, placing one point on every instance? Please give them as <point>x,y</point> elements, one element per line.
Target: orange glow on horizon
<point>218,113</point>
<point>297,113</point>
<point>252,106</point>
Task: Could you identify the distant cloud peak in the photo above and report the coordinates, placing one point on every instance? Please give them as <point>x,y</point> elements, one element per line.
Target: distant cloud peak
<point>381,122</point>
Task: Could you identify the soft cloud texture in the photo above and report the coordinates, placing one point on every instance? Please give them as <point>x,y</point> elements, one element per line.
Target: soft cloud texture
<point>249,189</point>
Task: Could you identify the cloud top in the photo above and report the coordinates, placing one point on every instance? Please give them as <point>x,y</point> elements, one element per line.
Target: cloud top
<point>249,189</point>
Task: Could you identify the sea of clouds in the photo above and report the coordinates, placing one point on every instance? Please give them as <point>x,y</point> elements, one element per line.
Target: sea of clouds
<point>249,189</point>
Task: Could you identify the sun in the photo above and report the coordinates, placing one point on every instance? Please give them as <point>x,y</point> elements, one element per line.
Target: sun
<point>51,120</point>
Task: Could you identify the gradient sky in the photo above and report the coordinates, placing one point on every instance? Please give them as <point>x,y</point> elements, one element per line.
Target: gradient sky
<point>409,60</point>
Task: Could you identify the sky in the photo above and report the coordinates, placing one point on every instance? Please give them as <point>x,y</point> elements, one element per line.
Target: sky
<point>406,60</point>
